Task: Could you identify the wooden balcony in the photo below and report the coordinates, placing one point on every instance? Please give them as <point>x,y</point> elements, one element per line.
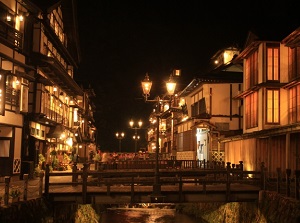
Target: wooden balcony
<point>10,36</point>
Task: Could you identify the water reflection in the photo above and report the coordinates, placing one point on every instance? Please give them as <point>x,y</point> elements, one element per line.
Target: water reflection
<point>144,215</point>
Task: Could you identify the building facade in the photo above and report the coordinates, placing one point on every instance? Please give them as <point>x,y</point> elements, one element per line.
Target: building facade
<point>43,108</point>
<point>212,112</point>
<point>271,105</point>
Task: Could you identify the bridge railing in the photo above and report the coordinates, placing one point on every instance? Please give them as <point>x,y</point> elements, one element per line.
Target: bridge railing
<point>286,182</point>
<point>163,164</point>
<point>109,177</point>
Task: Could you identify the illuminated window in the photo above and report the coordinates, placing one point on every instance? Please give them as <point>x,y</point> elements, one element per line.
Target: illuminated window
<point>294,104</point>
<point>251,70</point>
<point>251,110</point>
<point>273,63</point>
<point>294,63</point>
<point>272,106</point>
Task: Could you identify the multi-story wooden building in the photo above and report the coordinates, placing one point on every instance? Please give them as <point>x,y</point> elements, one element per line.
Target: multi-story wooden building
<point>15,76</point>
<point>212,112</point>
<point>42,107</point>
<point>271,105</point>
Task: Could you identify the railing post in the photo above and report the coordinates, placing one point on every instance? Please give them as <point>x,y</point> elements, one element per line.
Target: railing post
<point>297,175</point>
<point>42,174</point>
<point>132,190</point>
<point>25,177</point>
<point>279,179</point>
<point>228,181</point>
<point>84,182</point>
<point>6,191</point>
<point>74,176</point>
<point>204,164</point>
<point>262,176</point>
<point>241,169</point>
<point>288,182</point>
<point>47,176</point>
<point>180,188</point>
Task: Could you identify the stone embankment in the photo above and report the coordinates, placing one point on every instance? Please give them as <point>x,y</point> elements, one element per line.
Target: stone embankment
<point>271,208</point>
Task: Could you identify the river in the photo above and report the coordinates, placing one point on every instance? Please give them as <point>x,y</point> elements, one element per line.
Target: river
<point>144,215</point>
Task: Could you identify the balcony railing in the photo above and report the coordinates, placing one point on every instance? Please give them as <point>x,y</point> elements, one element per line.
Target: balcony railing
<point>12,99</point>
<point>11,36</point>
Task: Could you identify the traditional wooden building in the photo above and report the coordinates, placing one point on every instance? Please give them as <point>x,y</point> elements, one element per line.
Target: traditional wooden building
<point>42,107</point>
<point>212,113</point>
<point>271,105</point>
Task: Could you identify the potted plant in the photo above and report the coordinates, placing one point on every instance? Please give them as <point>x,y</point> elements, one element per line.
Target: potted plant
<point>97,160</point>
<point>15,194</point>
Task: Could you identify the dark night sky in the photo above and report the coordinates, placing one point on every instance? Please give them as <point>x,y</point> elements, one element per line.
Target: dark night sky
<point>122,40</point>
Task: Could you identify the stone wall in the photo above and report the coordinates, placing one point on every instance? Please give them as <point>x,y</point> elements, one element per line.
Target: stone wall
<point>271,208</point>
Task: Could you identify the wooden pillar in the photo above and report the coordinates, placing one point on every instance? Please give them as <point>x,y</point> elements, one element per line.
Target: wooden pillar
<point>41,175</point>
<point>6,191</point>
<point>279,179</point>
<point>262,177</point>
<point>25,177</point>
<point>241,165</point>
<point>132,190</point>
<point>287,151</point>
<point>47,176</point>
<point>180,188</point>
<point>84,182</point>
<point>288,182</point>
<point>74,176</point>
<point>297,174</point>
<point>228,181</point>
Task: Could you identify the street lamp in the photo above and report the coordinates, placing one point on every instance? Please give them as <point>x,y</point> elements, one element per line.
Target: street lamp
<point>135,137</point>
<point>146,85</point>
<point>120,136</point>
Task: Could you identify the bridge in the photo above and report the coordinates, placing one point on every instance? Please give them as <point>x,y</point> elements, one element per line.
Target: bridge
<point>133,182</point>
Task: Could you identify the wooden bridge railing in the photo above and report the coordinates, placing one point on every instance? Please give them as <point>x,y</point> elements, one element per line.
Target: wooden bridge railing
<point>163,164</point>
<point>109,177</point>
<point>187,172</point>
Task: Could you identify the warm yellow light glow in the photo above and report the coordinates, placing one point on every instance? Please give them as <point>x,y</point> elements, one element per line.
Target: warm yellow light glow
<point>21,18</point>
<point>181,102</point>
<point>8,18</point>
<point>75,115</point>
<point>136,137</point>
<point>166,107</point>
<point>146,85</point>
<point>69,141</point>
<point>140,123</point>
<point>63,135</point>
<point>171,85</point>
<point>177,73</point>
<point>120,135</point>
<point>131,123</point>
<point>184,118</point>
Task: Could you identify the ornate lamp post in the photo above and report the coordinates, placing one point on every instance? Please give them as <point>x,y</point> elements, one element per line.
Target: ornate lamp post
<point>135,137</point>
<point>120,136</point>
<point>146,85</point>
